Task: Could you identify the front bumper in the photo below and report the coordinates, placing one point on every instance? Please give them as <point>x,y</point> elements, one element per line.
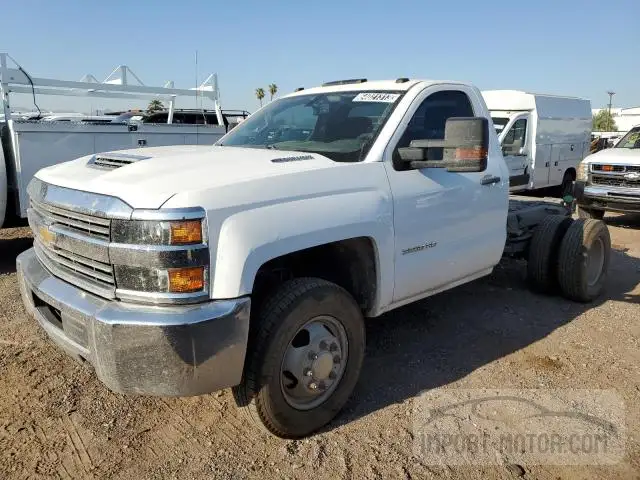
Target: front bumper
<point>613,199</point>
<point>171,351</point>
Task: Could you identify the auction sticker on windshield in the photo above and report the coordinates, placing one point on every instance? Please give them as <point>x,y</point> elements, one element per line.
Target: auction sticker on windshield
<point>376,97</point>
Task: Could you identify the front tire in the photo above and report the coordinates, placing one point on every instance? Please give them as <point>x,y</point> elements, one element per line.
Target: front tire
<point>566,187</point>
<point>305,353</point>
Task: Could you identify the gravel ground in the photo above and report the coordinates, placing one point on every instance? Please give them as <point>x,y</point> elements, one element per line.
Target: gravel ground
<point>58,421</point>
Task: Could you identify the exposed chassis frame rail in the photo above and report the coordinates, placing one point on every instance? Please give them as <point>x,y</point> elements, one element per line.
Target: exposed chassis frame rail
<point>525,214</point>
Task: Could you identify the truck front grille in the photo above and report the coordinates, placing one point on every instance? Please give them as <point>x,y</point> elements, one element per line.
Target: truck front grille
<point>90,225</point>
<point>600,167</point>
<point>614,181</point>
<point>73,246</point>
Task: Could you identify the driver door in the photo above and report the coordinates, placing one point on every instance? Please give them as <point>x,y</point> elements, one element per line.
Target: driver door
<point>516,152</point>
<point>449,227</point>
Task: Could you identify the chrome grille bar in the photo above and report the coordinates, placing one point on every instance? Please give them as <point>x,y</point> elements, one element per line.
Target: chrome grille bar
<point>94,226</point>
<point>88,283</point>
<point>85,266</point>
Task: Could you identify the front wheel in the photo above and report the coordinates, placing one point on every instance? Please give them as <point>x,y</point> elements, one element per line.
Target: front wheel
<point>566,187</point>
<point>304,358</point>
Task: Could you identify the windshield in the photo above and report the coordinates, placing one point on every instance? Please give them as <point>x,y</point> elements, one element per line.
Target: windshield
<point>631,139</point>
<point>499,123</point>
<point>339,125</point>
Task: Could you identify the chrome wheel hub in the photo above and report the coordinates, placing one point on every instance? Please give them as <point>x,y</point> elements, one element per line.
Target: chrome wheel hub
<point>314,363</point>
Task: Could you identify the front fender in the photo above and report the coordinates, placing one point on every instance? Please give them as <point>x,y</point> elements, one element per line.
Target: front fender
<point>250,238</point>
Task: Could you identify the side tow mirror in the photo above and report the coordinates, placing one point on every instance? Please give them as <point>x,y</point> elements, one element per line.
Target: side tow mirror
<point>465,144</point>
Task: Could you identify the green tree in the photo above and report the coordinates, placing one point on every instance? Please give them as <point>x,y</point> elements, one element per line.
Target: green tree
<point>155,106</point>
<point>604,122</point>
<point>273,89</point>
<point>260,94</point>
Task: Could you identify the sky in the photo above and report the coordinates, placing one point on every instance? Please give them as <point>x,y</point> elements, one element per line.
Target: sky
<point>567,47</point>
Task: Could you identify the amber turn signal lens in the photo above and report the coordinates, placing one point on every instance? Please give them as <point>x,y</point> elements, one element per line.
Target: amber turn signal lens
<point>185,232</point>
<point>186,280</point>
<point>471,153</point>
<point>607,168</point>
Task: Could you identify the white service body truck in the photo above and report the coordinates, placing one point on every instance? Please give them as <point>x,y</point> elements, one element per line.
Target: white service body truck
<point>610,179</point>
<point>543,137</point>
<point>253,263</point>
<point>29,144</point>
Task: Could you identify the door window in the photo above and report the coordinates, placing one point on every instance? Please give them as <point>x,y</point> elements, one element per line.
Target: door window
<point>431,116</point>
<point>515,138</point>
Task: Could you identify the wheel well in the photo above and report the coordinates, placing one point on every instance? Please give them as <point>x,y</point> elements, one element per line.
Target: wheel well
<point>349,263</point>
<point>572,172</point>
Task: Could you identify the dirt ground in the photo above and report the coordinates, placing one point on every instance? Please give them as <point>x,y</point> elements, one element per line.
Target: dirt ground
<point>58,421</point>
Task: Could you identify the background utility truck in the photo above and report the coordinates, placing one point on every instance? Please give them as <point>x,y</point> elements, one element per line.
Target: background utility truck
<point>253,263</point>
<point>29,145</point>
<point>610,179</point>
<point>543,137</point>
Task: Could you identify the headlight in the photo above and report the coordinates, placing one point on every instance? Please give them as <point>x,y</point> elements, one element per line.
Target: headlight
<point>583,171</point>
<point>161,280</point>
<point>153,232</point>
<point>160,260</point>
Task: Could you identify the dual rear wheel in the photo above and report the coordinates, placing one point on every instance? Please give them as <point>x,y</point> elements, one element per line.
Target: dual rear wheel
<point>569,257</point>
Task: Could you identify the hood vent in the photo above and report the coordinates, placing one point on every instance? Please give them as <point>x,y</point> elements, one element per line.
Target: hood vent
<point>114,160</point>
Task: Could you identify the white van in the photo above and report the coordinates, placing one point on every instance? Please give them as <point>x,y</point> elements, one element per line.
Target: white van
<point>543,137</point>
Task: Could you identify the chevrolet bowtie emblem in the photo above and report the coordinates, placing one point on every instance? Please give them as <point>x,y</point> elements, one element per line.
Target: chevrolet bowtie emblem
<point>48,237</point>
<point>632,176</point>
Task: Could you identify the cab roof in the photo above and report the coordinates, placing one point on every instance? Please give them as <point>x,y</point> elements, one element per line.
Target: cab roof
<point>367,86</point>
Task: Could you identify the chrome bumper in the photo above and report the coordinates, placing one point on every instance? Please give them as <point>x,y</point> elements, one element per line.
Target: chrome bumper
<point>172,351</point>
<point>615,199</point>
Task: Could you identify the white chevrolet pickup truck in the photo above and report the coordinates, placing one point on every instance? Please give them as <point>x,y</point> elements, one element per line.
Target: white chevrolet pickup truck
<point>610,179</point>
<point>253,263</point>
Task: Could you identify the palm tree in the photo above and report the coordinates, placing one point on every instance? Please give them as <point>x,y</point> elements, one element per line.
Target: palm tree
<point>155,106</point>
<point>273,89</point>
<point>260,94</point>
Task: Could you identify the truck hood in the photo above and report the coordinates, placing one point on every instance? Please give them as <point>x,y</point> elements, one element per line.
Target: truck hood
<point>156,174</point>
<point>624,156</point>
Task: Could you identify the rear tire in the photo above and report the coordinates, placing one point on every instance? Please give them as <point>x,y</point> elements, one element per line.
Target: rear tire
<point>542,264</point>
<point>263,395</point>
<point>583,261</point>
<point>587,213</point>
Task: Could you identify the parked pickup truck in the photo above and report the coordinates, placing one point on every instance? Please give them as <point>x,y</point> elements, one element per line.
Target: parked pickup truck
<point>252,264</point>
<point>610,179</point>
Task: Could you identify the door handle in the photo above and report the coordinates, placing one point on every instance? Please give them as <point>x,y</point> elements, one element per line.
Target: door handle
<point>489,180</point>
<point>546,164</point>
<point>142,142</point>
<point>555,164</point>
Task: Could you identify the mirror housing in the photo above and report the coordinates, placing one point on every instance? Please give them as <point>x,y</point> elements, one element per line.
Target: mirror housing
<point>465,144</point>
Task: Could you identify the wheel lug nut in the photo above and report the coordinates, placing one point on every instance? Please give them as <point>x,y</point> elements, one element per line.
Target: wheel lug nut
<point>308,372</point>
<point>336,359</point>
<point>333,347</point>
<point>323,345</point>
<point>313,356</point>
<point>313,386</point>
